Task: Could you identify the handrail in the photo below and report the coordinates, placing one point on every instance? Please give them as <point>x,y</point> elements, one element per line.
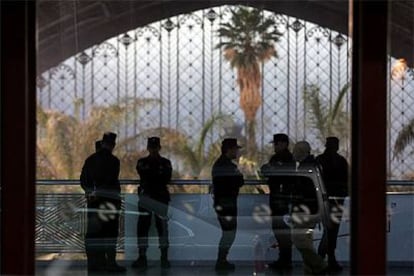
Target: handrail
<point>198,182</point>
<point>191,182</point>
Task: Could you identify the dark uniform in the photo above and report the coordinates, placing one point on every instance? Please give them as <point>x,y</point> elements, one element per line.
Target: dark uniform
<point>335,177</point>
<point>155,174</point>
<point>227,180</point>
<point>99,180</point>
<point>303,192</point>
<point>279,200</point>
<point>304,203</point>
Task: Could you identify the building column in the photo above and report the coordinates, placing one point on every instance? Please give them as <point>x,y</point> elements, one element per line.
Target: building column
<point>18,136</point>
<point>369,127</point>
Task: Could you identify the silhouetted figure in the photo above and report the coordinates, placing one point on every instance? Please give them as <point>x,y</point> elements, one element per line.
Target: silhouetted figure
<point>279,200</point>
<point>304,202</point>
<point>155,174</point>
<point>99,180</point>
<point>335,177</point>
<point>227,180</point>
<point>98,145</point>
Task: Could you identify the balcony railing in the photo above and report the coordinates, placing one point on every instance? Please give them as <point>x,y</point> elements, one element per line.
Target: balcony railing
<point>61,219</point>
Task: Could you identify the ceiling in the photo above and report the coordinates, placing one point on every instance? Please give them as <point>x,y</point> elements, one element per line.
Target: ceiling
<point>66,27</point>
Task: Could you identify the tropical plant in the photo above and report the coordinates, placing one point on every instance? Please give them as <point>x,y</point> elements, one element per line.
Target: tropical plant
<point>64,141</point>
<point>248,40</point>
<point>192,157</point>
<point>404,138</point>
<point>328,119</point>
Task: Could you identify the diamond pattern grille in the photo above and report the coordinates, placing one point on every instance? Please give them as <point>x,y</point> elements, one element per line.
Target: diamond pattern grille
<point>61,223</point>
<point>175,62</point>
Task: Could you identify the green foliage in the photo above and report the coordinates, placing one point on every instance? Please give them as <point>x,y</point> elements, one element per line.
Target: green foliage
<point>404,138</point>
<point>64,141</point>
<point>328,119</point>
<point>250,36</point>
<point>195,155</point>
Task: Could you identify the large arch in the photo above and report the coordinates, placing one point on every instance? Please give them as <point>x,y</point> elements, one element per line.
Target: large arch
<point>67,27</point>
<point>20,259</point>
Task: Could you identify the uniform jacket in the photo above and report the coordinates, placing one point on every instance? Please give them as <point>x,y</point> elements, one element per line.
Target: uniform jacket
<point>279,159</point>
<point>100,174</point>
<point>155,175</point>
<point>334,173</point>
<point>303,189</point>
<point>227,179</point>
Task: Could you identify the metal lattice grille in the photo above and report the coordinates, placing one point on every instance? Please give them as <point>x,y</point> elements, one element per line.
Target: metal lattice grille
<point>61,223</point>
<point>175,63</point>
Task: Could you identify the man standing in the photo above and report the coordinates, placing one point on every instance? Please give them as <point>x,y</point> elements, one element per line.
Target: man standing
<point>335,177</point>
<point>99,180</point>
<point>279,200</point>
<point>304,202</point>
<point>227,180</point>
<point>155,174</point>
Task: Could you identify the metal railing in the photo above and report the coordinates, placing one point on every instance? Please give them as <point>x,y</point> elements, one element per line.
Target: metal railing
<point>61,220</point>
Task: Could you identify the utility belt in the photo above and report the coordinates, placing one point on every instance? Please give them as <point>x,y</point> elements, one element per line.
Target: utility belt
<point>161,194</point>
<point>103,194</point>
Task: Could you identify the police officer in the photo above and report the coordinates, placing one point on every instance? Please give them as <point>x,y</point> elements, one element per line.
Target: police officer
<point>99,180</point>
<point>155,174</point>
<point>279,200</point>
<point>335,177</point>
<point>304,202</point>
<point>98,145</point>
<point>227,180</point>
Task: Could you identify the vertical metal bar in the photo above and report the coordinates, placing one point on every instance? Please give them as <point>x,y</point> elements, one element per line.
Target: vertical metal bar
<point>389,160</point>
<point>330,70</point>
<point>177,99</point>
<point>262,134</point>
<point>369,81</point>
<point>296,85</point>
<point>211,77</point>
<point>75,69</point>
<point>161,73</point>
<point>339,69</point>
<point>220,69</point>
<point>83,92</point>
<point>169,80</point>
<point>304,80</point>
<point>135,81</point>
<point>288,76</point>
<point>118,72</point>
<point>348,80</point>
<point>126,94</point>
<point>49,90</point>
<point>203,70</point>
<point>92,77</point>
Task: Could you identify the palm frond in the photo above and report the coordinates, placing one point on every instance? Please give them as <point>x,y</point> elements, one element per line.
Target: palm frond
<point>204,131</point>
<point>318,110</point>
<point>338,102</point>
<point>404,138</point>
<point>327,121</point>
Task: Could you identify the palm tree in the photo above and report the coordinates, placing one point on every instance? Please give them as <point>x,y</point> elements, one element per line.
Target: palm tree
<point>64,141</point>
<point>248,40</point>
<point>327,119</point>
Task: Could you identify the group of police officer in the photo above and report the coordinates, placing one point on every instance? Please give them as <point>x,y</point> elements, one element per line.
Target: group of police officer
<point>334,171</point>
<point>100,181</point>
